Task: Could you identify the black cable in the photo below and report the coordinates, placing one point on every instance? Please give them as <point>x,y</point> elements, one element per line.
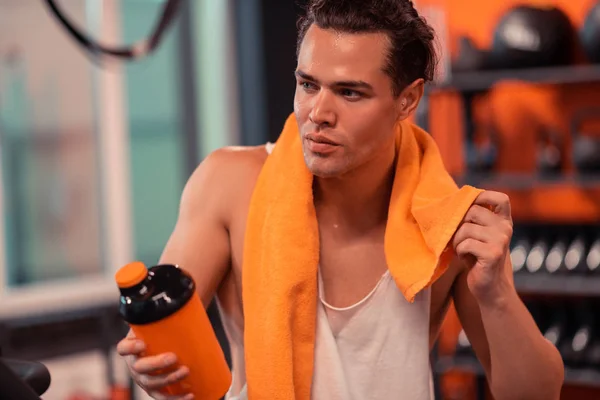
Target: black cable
<point>131,52</point>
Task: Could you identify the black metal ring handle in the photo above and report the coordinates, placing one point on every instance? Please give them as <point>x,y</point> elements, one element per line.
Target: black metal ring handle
<point>130,52</point>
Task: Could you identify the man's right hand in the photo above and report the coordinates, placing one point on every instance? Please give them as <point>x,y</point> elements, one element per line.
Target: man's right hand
<point>144,369</point>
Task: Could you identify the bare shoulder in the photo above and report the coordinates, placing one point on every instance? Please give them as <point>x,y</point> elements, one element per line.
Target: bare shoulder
<point>238,160</point>
<point>223,176</point>
<point>236,167</point>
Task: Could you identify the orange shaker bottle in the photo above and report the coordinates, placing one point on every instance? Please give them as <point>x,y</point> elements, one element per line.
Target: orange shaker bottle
<point>161,306</point>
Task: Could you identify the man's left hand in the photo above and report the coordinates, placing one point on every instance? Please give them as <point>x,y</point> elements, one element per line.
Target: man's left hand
<point>482,243</point>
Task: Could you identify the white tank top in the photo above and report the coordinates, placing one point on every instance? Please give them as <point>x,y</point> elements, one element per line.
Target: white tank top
<point>375,349</point>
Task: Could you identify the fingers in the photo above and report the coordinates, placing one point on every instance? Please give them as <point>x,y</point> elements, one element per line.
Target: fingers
<point>146,371</point>
<point>480,215</point>
<point>481,240</point>
<point>160,396</point>
<point>471,247</point>
<point>498,202</point>
<point>150,382</point>
<point>472,231</point>
<point>130,346</point>
<point>483,251</point>
<point>153,364</point>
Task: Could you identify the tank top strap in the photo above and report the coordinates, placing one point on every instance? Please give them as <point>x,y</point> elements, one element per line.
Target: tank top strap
<point>269,147</point>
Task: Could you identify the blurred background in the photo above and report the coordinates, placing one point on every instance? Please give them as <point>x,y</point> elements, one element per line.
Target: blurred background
<point>94,153</point>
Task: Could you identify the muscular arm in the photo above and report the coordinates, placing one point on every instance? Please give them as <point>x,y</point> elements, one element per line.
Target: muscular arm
<point>200,241</point>
<point>519,362</point>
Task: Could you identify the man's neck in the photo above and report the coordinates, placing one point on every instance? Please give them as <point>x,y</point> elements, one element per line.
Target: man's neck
<point>358,201</point>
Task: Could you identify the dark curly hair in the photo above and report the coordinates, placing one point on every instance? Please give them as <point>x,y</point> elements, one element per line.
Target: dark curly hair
<point>411,53</point>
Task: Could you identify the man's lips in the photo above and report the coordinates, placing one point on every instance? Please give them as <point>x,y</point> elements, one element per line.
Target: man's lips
<point>320,144</point>
<point>320,138</point>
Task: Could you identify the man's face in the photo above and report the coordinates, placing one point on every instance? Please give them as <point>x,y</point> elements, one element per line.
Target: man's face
<point>343,97</point>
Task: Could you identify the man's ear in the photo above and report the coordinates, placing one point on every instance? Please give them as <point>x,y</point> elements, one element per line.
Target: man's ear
<point>409,98</point>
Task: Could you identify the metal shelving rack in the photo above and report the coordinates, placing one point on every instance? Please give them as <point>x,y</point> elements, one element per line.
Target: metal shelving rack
<point>581,377</point>
<point>469,85</point>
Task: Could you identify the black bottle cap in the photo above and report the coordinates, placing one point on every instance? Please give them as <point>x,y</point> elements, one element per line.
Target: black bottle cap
<point>163,291</point>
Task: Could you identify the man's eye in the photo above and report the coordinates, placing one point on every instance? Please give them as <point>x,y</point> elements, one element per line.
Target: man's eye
<point>352,94</point>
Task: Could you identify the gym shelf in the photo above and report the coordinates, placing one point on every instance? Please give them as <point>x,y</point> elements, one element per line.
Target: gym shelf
<point>524,181</point>
<point>582,377</point>
<point>558,285</point>
<point>479,81</point>
<point>551,200</point>
<point>578,377</point>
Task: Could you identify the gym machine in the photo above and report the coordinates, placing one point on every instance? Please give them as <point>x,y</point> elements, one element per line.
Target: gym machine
<point>23,380</point>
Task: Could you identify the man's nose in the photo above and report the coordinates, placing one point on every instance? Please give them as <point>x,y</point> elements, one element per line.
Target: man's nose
<point>323,112</point>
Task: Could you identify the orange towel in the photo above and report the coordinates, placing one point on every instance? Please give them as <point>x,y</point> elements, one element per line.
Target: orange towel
<point>281,252</point>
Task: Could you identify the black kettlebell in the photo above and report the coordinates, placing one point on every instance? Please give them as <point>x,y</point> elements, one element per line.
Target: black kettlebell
<point>470,58</point>
<point>589,35</point>
<point>586,147</point>
<point>550,157</point>
<point>528,36</point>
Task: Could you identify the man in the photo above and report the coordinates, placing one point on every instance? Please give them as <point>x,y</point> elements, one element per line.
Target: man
<point>361,69</point>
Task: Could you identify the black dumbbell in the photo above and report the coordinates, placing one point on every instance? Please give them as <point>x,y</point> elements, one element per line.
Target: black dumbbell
<point>556,256</point>
<point>575,258</point>
<point>586,145</point>
<point>537,256</point>
<point>518,255</point>
<point>593,258</point>
<point>576,349</point>
<point>556,328</point>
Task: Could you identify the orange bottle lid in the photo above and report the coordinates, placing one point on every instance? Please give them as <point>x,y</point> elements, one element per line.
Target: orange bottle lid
<point>131,274</point>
